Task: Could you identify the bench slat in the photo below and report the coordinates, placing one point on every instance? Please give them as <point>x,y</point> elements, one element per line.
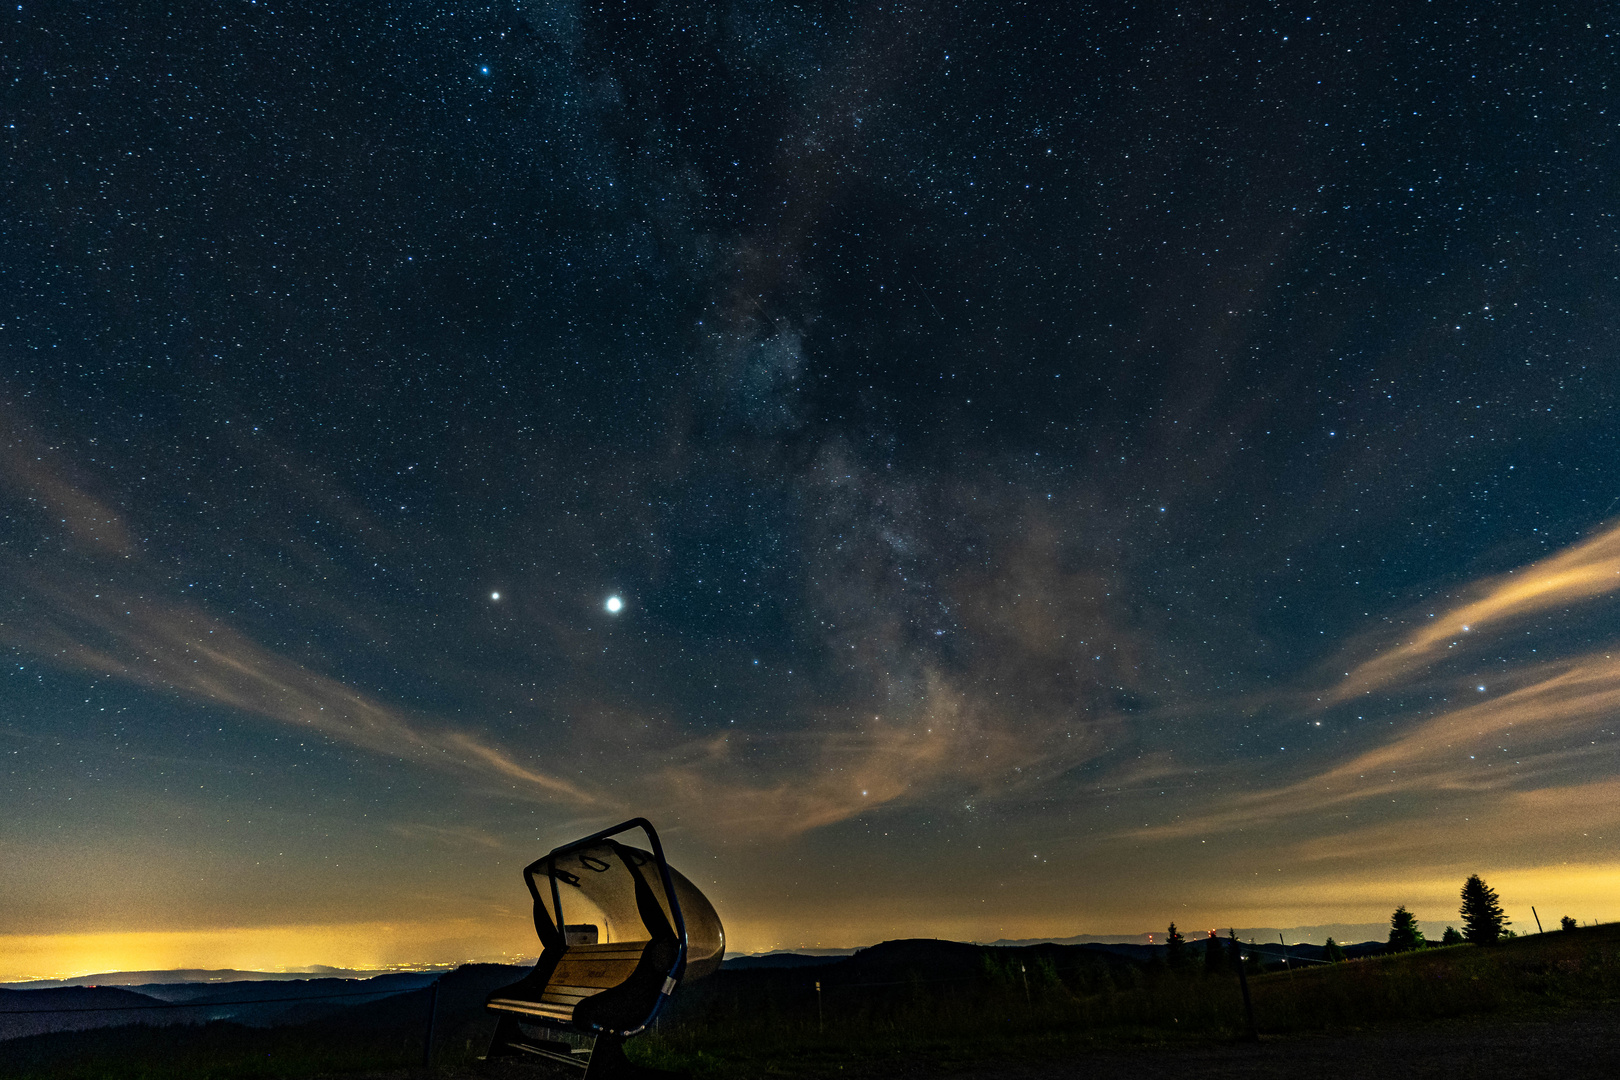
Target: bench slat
<point>534,1008</point>
<point>599,976</point>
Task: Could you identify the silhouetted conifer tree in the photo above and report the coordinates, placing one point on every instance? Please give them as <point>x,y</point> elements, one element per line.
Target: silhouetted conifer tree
<point>1175,948</point>
<point>1567,923</point>
<point>1214,954</point>
<point>1334,953</point>
<point>1234,951</point>
<point>1483,921</point>
<point>1404,934</point>
<point>1451,937</point>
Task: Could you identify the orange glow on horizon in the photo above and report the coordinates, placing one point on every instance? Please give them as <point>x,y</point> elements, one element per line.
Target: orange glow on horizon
<point>1585,891</point>
<point>364,946</point>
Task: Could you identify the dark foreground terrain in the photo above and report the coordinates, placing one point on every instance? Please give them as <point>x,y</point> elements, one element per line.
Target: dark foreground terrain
<point>1541,1006</point>
<point>1578,1045</point>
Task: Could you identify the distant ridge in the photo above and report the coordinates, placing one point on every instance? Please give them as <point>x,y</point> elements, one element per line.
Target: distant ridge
<point>1301,935</point>
<point>36,1012</point>
<point>779,960</point>
<point>250,1002</point>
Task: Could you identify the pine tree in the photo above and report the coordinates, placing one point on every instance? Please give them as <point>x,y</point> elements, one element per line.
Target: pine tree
<point>1214,954</point>
<point>1451,937</point>
<point>1334,953</point>
<point>1175,948</point>
<point>1404,934</point>
<point>1567,923</point>
<point>1483,920</point>
<point>1234,951</point>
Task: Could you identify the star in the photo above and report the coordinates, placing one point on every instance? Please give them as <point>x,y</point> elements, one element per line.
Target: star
<point>614,605</point>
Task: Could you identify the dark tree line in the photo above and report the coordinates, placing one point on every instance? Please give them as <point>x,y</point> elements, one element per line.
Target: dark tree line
<point>1484,922</point>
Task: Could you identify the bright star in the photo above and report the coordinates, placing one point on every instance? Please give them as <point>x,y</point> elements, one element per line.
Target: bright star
<point>494,596</point>
<point>614,604</point>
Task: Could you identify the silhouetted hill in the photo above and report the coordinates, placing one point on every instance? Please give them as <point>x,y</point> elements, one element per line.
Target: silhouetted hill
<point>229,993</point>
<point>75,1008</point>
<point>256,1004</point>
<point>931,959</point>
<point>777,960</point>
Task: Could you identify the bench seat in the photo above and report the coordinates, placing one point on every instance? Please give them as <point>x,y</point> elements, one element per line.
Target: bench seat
<point>581,972</point>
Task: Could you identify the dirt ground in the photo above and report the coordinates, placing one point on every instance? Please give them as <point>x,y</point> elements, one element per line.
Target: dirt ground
<point>1576,1046</point>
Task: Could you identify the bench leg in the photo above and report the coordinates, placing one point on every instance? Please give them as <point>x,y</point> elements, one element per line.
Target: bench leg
<point>608,1061</point>
<point>506,1033</point>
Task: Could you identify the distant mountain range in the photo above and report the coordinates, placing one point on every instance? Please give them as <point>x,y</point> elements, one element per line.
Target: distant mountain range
<point>254,1003</point>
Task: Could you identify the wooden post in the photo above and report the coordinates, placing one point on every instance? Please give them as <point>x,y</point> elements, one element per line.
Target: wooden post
<point>1286,965</point>
<point>1539,930</point>
<point>1025,979</point>
<point>1248,1005</point>
<point>821,1021</point>
<point>427,1040</point>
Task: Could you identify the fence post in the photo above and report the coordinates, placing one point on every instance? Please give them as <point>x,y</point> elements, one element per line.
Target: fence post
<point>427,1040</point>
<point>821,1022</point>
<point>1248,1005</point>
<point>1539,930</point>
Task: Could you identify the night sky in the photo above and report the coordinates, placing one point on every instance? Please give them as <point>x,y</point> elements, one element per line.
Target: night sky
<point>1062,468</point>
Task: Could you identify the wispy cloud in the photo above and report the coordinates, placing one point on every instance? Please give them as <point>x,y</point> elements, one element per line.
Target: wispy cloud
<point>952,741</point>
<point>1587,570</point>
<point>33,471</point>
<point>1529,736</point>
<point>1513,825</point>
<point>98,610</point>
<point>1513,739</point>
<point>168,646</point>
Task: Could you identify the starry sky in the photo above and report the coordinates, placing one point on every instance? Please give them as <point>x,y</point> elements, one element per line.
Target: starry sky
<point>1058,471</point>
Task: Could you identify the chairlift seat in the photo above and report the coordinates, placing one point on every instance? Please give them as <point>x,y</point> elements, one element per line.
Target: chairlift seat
<point>658,928</point>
